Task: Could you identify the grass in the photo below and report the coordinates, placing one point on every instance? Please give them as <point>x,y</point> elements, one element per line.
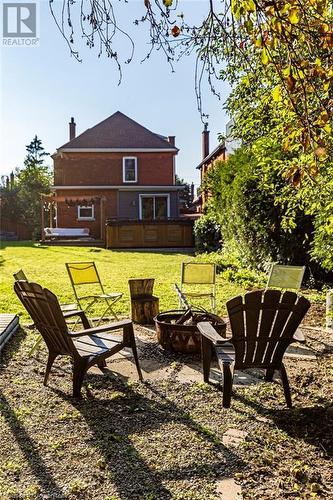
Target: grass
<point>46,265</point>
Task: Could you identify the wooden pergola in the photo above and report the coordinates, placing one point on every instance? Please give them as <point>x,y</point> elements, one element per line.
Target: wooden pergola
<point>50,200</point>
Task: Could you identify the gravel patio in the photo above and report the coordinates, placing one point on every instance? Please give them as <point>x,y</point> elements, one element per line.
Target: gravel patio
<point>168,437</point>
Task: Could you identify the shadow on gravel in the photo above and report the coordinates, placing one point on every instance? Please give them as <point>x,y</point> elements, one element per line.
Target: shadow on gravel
<point>313,425</point>
<point>114,420</point>
<point>29,450</point>
<point>11,348</point>
<point>18,432</point>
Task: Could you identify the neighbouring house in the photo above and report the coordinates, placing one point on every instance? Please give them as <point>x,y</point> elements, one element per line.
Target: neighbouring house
<point>121,176</point>
<point>207,162</point>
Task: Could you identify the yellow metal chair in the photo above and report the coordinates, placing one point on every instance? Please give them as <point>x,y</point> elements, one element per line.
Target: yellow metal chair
<point>85,274</point>
<point>65,308</point>
<point>285,277</point>
<point>198,273</point>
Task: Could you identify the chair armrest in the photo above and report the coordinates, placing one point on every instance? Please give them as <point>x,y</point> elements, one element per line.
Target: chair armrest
<point>208,331</point>
<point>82,314</point>
<point>101,329</point>
<point>299,337</point>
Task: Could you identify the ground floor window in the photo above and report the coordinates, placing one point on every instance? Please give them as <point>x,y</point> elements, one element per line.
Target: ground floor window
<point>154,206</point>
<point>86,212</point>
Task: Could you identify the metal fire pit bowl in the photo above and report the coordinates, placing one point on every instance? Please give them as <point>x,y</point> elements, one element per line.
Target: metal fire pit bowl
<point>183,338</point>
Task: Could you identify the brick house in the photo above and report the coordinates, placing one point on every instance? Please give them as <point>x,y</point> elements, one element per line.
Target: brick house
<point>115,171</point>
<point>207,163</point>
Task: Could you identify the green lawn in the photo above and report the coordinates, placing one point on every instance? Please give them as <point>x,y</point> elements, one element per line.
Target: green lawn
<point>46,265</point>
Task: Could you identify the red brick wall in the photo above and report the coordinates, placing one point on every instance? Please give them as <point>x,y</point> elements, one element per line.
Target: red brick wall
<point>98,169</point>
<point>67,215</point>
<point>205,168</point>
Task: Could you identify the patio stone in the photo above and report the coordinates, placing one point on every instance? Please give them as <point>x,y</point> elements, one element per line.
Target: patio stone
<point>300,351</point>
<point>158,365</point>
<point>190,373</point>
<point>233,437</point>
<point>228,489</point>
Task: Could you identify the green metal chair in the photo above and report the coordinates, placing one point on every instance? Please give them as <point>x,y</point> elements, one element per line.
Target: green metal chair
<point>20,276</point>
<point>285,277</point>
<point>198,273</point>
<point>85,274</point>
<point>65,308</point>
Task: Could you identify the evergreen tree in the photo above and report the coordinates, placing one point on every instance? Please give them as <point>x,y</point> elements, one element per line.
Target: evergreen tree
<point>36,153</point>
<point>32,181</point>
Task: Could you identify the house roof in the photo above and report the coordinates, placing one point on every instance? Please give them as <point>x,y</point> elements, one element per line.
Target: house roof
<point>118,131</point>
<point>219,149</point>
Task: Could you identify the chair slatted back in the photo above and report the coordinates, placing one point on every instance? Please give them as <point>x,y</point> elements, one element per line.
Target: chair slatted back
<point>198,273</point>
<point>263,324</point>
<point>44,309</point>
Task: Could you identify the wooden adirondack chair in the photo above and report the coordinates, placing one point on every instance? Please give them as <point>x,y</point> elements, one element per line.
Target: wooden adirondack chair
<point>90,346</point>
<point>263,325</point>
<point>65,308</point>
<point>20,275</point>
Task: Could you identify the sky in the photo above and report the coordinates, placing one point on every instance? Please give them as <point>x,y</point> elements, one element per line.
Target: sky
<point>42,87</point>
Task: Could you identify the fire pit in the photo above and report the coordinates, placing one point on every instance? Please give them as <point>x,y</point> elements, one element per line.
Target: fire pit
<point>177,330</point>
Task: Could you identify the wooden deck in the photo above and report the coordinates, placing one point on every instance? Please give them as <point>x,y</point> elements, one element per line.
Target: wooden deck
<point>168,233</point>
<point>74,243</point>
<point>9,324</point>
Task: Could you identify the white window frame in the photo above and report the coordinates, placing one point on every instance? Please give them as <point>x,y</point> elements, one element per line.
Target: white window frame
<point>79,217</point>
<point>135,165</point>
<point>153,195</point>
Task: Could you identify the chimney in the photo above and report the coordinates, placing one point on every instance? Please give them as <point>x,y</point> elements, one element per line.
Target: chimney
<point>72,126</point>
<point>205,142</point>
<point>171,140</point>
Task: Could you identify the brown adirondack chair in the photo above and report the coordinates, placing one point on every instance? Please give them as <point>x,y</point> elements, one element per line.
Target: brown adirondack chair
<point>263,325</point>
<point>90,346</point>
<point>65,308</point>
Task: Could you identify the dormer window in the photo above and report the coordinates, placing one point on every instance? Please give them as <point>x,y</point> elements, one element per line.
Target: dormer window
<point>130,169</point>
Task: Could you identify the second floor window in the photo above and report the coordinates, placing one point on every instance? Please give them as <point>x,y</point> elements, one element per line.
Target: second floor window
<point>130,169</point>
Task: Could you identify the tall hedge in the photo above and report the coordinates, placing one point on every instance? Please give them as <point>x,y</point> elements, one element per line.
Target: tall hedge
<point>245,201</point>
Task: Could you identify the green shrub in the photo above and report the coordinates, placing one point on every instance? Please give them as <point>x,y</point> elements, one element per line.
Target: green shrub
<point>207,234</point>
<point>245,277</point>
<point>232,267</point>
<point>224,259</point>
